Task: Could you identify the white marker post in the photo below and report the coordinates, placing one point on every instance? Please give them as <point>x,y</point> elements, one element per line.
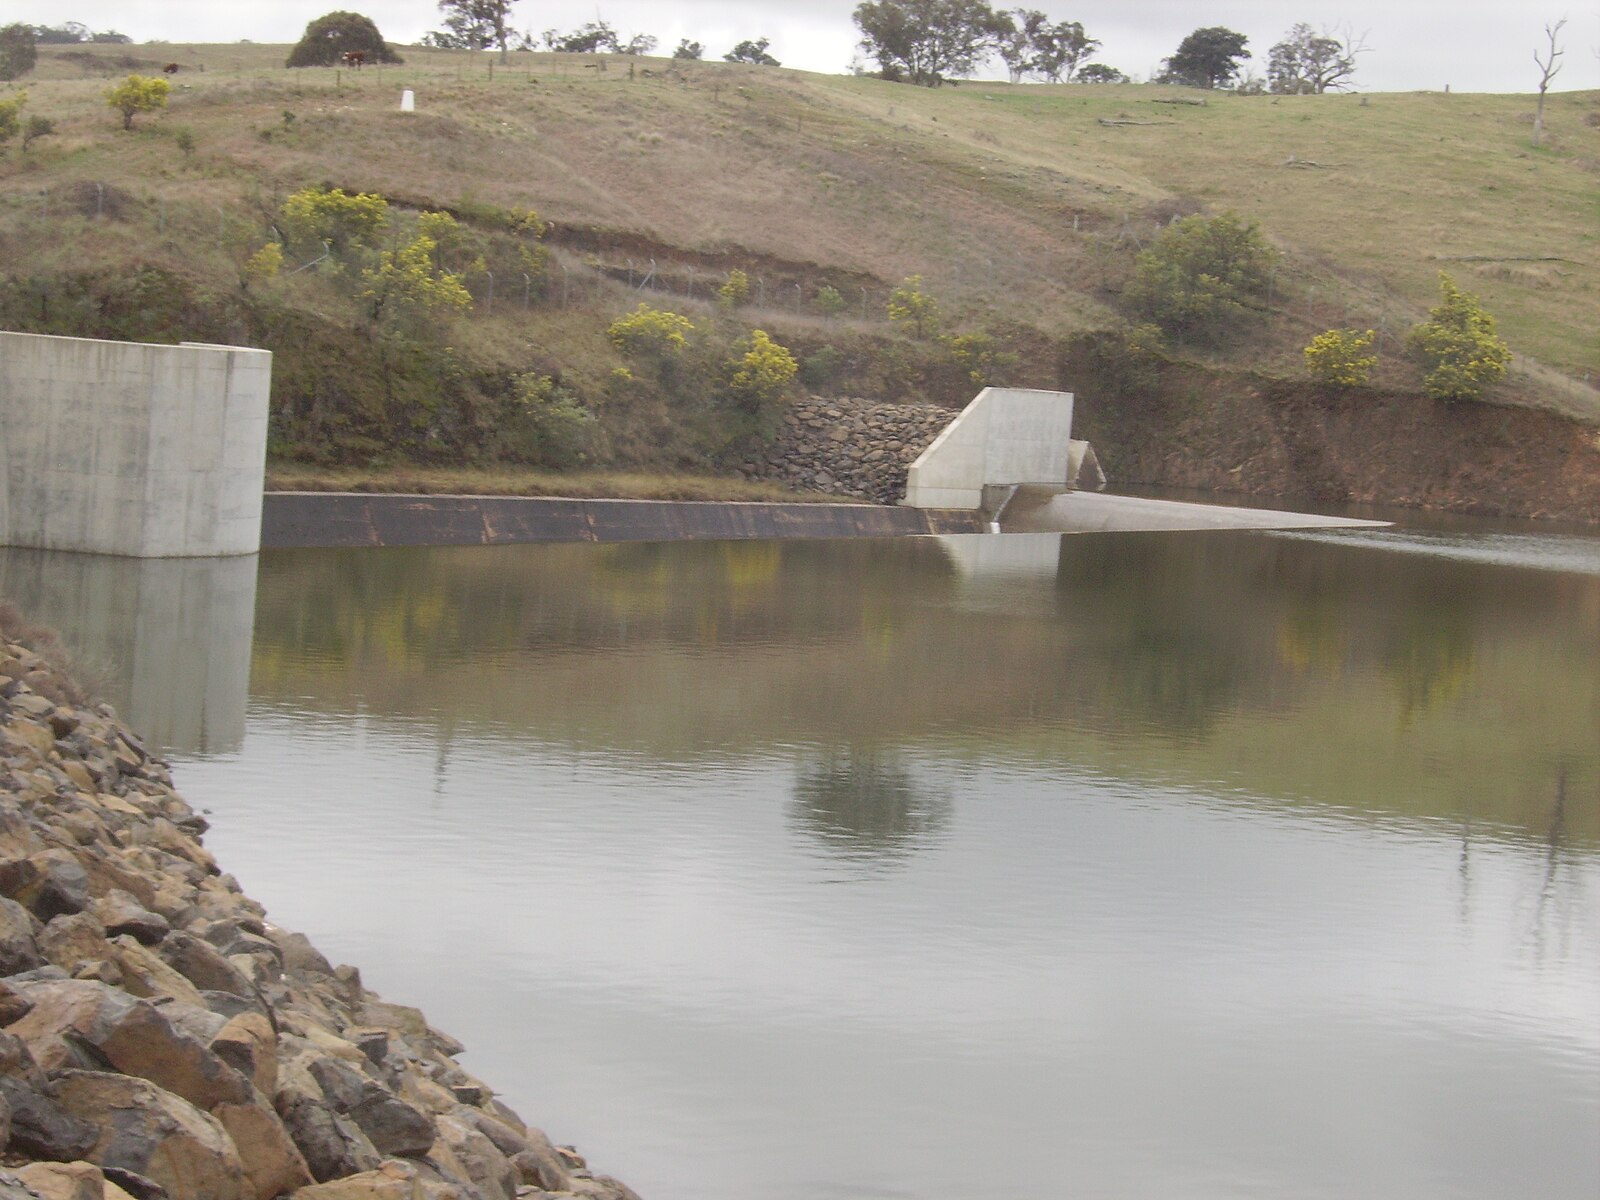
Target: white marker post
<point>408,101</point>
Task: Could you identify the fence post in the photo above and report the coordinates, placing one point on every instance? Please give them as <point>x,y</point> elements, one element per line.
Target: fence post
<point>566,281</point>
<point>488,303</point>
<point>527,286</point>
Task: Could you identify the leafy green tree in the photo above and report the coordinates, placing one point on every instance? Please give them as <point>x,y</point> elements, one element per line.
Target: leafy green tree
<point>984,361</point>
<point>909,302</point>
<point>36,127</point>
<point>11,116</point>
<point>752,52</point>
<point>1033,45</point>
<point>476,25</point>
<point>19,50</point>
<point>1307,63</point>
<point>1340,357</point>
<point>926,42</point>
<point>1014,46</point>
<point>265,263</point>
<point>1207,58</point>
<point>651,333</point>
<point>735,290</point>
<point>1100,73</point>
<point>345,223</point>
<point>1458,346</point>
<point>829,300</point>
<point>330,37</point>
<point>137,94</point>
<point>1201,276</point>
<point>689,51</point>
<point>597,37</point>
<point>405,282</point>
<point>545,424</point>
<point>760,373</point>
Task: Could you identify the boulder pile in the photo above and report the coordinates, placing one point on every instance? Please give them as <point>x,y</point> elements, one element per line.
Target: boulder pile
<point>159,1037</point>
<point>849,447</point>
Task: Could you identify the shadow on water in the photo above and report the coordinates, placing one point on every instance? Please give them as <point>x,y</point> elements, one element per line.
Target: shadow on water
<point>865,804</point>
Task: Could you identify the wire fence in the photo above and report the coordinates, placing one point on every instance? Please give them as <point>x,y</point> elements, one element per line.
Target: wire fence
<point>1299,296</point>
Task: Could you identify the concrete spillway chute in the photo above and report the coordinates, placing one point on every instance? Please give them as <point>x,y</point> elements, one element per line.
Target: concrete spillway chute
<point>1005,437</point>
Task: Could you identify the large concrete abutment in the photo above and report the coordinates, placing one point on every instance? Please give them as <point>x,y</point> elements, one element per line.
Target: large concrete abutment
<point>1005,436</point>
<point>132,449</point>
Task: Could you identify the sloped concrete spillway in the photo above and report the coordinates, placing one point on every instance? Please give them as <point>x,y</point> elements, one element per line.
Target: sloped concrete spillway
<point>1039,509</point>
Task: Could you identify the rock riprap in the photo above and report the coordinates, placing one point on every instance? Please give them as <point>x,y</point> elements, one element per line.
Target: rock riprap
<point>849,447</point>
<point>159,1037</point>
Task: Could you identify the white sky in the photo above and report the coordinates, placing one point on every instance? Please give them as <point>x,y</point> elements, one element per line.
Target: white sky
<point>1470,45</point>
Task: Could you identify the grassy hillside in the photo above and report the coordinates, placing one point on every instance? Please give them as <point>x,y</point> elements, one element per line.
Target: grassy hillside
<point>1021,206</point>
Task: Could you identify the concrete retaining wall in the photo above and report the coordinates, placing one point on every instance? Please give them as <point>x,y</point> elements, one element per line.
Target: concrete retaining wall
<point>131,449</point>
<point>350,519</point>
<point>1005,436</point>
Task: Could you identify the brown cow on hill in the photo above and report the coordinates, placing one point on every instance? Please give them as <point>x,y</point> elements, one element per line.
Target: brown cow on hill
<point>354,58</point>
<point>170,69</point>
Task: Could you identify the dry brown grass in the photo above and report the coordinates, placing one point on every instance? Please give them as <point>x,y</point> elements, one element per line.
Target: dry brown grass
<point>1013,202</point>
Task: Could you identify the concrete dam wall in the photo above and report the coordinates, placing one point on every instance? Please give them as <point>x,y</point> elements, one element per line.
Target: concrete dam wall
<point>131,449</point>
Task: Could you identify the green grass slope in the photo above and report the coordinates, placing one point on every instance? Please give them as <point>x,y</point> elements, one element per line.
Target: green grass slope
<point>1020,206</point>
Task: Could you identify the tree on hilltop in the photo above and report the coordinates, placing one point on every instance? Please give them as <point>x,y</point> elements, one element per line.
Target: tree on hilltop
<point>1207,58</point>
<point>475,25</point>
<point>596,37</point>
<point>1031,45</point>
<point>329,38</point>
<point>19,50</point>
<point>927,42</point>
<point>1100,73</point>
<point>1548,66</point>
<point>752,52</point>
<point>1307,63</point>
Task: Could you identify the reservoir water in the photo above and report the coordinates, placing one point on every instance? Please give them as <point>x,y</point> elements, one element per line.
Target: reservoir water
<point>1129,865</point>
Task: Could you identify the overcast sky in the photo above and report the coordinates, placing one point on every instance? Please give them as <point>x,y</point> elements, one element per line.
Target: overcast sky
<point>1470,45</point>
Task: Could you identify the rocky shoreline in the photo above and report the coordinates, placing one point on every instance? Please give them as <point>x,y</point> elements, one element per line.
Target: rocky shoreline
<point>159,1037</point>
<point>848,446</point>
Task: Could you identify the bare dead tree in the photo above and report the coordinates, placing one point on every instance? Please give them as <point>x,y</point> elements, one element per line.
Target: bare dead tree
<point>1548,67</point>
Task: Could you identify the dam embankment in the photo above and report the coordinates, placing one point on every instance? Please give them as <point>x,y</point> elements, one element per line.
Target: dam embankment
<point>301,519</point>
<point>160,1037</point>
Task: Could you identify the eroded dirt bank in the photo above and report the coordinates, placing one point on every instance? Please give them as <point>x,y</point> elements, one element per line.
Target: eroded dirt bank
<point>1251,436</point>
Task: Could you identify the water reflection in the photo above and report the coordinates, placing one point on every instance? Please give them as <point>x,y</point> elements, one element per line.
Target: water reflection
<point>166,641</point>
<point>865,804</point>
<point>1212,865</point>
<point>1191,658</point>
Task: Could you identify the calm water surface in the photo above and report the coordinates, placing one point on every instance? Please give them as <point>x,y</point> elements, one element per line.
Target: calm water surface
<point>1194,865</point>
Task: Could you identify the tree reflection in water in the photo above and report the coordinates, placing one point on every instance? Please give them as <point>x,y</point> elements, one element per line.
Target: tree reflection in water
<point>864,804</point>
